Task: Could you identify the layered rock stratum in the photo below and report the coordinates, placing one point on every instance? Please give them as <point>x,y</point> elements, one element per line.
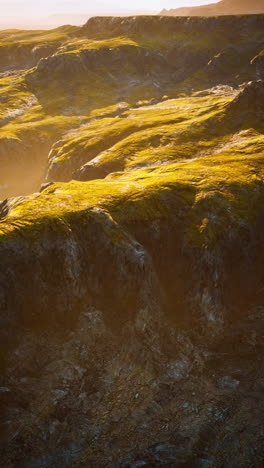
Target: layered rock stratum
<point>131,243</point>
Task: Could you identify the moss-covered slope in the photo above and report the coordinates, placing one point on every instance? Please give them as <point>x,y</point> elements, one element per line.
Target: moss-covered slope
<point>131,282</point>
<point>72,75</point>
<point>144,136</point>
<point>200,176</point>
<point>23,49</point>
<point>146,56</point>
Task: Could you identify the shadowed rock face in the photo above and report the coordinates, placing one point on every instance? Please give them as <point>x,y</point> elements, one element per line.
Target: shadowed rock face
<point>224,7</point>
<point>125,333</point>
<point>258,62</point>
<point>157,24</point>
<point>28,56</point>
<point>131,298</point>
<point>250,101</point>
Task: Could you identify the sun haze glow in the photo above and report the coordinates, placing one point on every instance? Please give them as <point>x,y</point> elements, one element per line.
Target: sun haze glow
<point>46,14</point>
<point>30,8</point>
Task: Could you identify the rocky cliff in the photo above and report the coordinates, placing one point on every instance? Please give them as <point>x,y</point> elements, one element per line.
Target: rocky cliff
<point>131,243</point>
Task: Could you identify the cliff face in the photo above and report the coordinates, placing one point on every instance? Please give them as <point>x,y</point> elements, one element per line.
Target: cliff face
<point>24,49</point>
<point>258,62</point>
<point>224,7</point>
<point>131,283</point>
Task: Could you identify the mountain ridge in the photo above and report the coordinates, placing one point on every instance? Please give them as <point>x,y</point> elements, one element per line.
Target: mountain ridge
<point>224,7</point>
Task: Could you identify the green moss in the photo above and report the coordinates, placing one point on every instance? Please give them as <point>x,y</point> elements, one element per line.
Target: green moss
<point>84,91</point>
<point>110,81</point>
<point>217,193</point>
<point>18,45</point>
<point>142,136</point>
<point>76,46</point>
<point>181,155</point>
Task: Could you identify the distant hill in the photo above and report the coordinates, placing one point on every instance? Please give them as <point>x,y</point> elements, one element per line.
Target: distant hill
<point>224,7</point>
<point>60,19</point>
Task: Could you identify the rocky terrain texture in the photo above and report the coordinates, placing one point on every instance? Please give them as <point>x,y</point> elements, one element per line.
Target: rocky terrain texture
<point>131,243</point>
<point>224,7</point>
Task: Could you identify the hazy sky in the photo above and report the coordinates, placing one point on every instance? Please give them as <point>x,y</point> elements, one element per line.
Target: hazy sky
<point>37,8</point>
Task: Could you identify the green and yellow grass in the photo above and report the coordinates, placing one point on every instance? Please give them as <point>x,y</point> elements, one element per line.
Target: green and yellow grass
<point>17,46</point>
<point>167,131</point>
<point>212,194</point>
<point>183,154</point>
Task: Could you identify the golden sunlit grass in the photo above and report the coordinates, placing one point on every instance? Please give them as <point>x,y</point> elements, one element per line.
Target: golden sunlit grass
<point>216,192</point>
<point>147,134</point>
<point>185,149</point>
<point>77,45</point>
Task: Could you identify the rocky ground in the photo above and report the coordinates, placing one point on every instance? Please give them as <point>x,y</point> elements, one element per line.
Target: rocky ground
<point>131,245</point>
<point>96,399</point>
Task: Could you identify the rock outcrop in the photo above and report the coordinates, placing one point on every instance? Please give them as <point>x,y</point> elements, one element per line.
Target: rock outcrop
<point>136,287</point>
<point>248,106</point>
<point>131,280</point>
<point>258,62</point>
<point>24,49</point>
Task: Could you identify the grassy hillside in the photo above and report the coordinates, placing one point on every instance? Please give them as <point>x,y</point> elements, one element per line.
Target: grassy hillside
<point>72,75</point>
<point>131,243</point>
